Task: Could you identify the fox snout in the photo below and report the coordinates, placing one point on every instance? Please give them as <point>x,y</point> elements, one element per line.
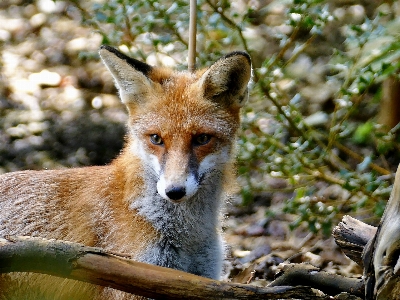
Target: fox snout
<point>177,189</point>
<point>175,192</point>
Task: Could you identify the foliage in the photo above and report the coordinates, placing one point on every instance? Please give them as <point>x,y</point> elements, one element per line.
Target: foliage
<point>344,148</point>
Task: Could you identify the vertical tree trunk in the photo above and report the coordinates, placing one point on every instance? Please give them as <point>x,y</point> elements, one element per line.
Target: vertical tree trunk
<point>389,114</point>
<point>381,255</point>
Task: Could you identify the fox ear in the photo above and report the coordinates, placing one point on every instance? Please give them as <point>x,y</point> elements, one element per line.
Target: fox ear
<point>130,75</point>
<point>226,80</point>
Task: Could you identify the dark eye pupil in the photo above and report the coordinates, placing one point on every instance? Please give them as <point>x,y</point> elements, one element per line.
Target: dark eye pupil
<point>203,139</point>
<point>156,139</point>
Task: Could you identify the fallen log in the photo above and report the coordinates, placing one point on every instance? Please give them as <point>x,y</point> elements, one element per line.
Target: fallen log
<point>94,265</point>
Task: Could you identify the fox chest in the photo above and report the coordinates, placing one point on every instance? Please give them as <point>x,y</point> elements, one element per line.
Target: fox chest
<point>202,258</point>
<point>186,236</point>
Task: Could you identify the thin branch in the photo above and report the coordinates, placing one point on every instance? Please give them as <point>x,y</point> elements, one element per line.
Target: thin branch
<point>300,49</point>
<point>319,173</point>
<point>286,47</point>
<point>170,26</point>
<point>86,16</point>
<point>358,157</point>
<point>231,24</point>
<point>192,36</point>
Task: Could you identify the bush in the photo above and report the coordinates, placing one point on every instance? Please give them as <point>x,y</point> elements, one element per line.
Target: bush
<point>311,118</point>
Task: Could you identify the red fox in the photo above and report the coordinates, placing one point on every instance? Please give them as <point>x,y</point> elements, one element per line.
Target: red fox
<point>160,200</point>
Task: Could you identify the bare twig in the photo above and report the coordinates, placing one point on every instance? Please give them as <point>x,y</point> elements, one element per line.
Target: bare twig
<point>192,36</point>
<point>231,24</point>
<point>358,157</point>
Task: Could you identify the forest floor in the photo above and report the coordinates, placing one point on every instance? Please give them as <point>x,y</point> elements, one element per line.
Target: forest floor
<point>59,108</point>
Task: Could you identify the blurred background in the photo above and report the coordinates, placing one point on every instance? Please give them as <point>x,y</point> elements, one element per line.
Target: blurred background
<point>320,130</point>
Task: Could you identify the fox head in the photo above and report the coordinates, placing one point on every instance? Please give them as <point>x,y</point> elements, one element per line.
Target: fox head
<point>182,125</point>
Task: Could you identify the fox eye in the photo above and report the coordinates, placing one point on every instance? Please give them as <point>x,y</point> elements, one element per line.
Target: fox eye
<point>156,139</point>
<point>202,139</point>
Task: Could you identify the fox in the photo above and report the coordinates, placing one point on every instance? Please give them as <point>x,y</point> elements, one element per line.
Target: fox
<point>160,200</point>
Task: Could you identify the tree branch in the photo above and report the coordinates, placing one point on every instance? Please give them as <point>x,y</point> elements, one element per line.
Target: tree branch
<point>306,274</point>
<point>94,265</point>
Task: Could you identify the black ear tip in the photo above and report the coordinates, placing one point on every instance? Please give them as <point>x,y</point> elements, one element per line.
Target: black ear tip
<point>138,65</point>
<point>112,50</point>
<point>239,53</point>
<point>103,46</point>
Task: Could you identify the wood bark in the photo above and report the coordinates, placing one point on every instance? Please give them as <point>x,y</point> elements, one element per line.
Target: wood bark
<point>389,114</point>
<point>308,275</point>
<point>381,255</point>
<point>94,265</point>
<point>359,241</point>
<point>352,235</point>
<point>376,249</point>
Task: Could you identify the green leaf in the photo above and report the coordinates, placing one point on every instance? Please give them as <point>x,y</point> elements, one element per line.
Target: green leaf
<point>363,133</point>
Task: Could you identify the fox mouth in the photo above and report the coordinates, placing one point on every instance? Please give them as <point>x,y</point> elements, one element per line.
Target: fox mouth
<point>178,201</point>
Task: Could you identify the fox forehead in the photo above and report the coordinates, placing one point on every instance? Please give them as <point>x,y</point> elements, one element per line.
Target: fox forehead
<point>176,105</point>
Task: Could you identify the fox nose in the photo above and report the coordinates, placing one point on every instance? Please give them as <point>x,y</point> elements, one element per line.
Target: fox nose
<point>175,193</point>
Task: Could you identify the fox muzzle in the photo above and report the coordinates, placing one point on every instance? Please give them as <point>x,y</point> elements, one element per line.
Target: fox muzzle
<point>175,192</point>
